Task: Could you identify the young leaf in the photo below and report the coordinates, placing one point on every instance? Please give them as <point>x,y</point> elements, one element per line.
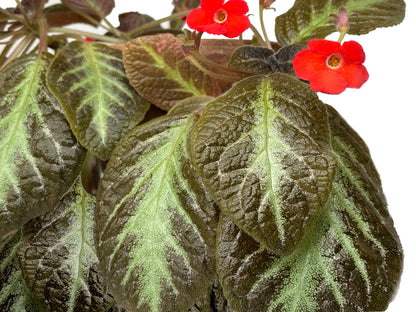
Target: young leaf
<point>308,19</point>
<point>155,222</point>
<point>350,260</point>
<point>160,72</point>
<point>92,6</point>
<point>101,106</point>
<point>14,295</point>
<point>58,258</point>
<point>40,158</point>
<point>263,151</point>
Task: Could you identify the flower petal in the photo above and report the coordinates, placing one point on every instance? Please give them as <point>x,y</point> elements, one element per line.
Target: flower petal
<point>307,63</point>
<point>215,29</point>
<point>236,7</point>
<point>211,6</point>
<point>328,81</point>
<point>355,75</point>
<point>198,19</point>
<point>353,52</point>
<point>236,25</point>
<point>324,47</point>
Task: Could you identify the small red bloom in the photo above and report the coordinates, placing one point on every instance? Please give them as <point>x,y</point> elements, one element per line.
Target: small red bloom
<point>330,67</point>
<point>219,18</point>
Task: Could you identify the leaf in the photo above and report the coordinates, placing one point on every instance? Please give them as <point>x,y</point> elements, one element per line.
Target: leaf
<point>40,157</point>
<point>350,260</point>
<point>59,15</point>
<point>155,222</point>
<point>58,258</point>
<point>259,60</point>
<point>160,72</point>
<point>309,19</point>
<point>14,295</point>
<point>132,20</point>
<point>101,106</point>
<point>94,7</point>
<point>263,151</point>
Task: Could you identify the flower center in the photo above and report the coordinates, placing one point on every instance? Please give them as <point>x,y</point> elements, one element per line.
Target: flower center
<point>334,61</point>
<point>220,16</point>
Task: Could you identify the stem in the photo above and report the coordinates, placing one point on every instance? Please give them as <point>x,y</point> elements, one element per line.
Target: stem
<point>43,35</point>
<point>19,49</point>
<point>19,5</point>
<point>14,16</point>
<point>103,38</point>
<point>341,36</point>
<point>138,30</point>
<point>263,28</point>
<point>195,62</point>
<point>258,36</point>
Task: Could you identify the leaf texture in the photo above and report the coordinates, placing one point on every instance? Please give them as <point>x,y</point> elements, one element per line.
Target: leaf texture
<point>309,19</point>
<point>14,295</point>
<point>156,224</point>
<point>94,7</point>
<point>350,260</point>
<point>263,151</point>
<point>40,158</point>
<point>58,257</point>
<point>160,72</point>
<point>90,82</point>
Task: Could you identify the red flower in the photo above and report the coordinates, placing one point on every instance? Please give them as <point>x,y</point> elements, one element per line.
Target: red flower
<point>219,18</point>
<point>330,67</point>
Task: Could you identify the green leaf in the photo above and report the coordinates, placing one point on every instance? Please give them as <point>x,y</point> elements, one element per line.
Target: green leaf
<point>309,19</point>
<point>14,295</point>
<point>40,158</point>
<point>58,258</point>
<point>101,106</point>
<point>160,72</point>
<point>155,222</point>
<point>263,151</point>
<point>350,260</point>
<point>259,60</point>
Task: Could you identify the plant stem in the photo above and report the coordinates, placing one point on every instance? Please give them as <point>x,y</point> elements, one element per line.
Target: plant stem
<point>19,5</point>
<point>103,38</point>
<point>195,62</point>
<point>263,28</point>
<point>138,30</point>
<point>258,36</point>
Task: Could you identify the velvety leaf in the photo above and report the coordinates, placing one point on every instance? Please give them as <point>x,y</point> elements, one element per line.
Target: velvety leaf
<point>160,72</point>
<point>92,6</point>
<point>14,295</point>
<point>101,106</point>
<point>263,151</point>
<point>131,20</point>
<point>58,15</point>
<point>350,260</point>
<point>58,258</point>
<point>309,19</point>
<point>259,60</point>
<point>40,158</point>
<point>155,222</point>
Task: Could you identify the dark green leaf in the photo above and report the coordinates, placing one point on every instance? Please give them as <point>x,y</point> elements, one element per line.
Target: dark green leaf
<point>101,106</point>
<point>350,260</point>
<point>156,224</point>
<point>58,258</point>
<point>160,72</point>
<point>259,60</point>
<point>40,158</point>
<point>309,19</point>
<point>14,295</point>
<point>263,151</point>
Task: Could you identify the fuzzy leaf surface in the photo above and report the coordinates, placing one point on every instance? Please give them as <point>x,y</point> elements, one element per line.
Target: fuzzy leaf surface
<point>160,72</point>
<point>40,157</point>
<point>263,151</point>
<point>350,260</point>
<point>58,258</point>
<point>14,294</point>
<point>309,19</point>
<point>90,82</point>
<point>156,224</point>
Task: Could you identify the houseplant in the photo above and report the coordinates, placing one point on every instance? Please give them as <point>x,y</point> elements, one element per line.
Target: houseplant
<point>239,190</point>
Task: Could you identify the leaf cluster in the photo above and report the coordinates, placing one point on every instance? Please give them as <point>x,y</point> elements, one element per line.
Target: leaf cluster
<point>148,176</point>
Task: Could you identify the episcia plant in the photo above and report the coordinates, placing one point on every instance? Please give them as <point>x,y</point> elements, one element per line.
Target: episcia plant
<point>148,169</point>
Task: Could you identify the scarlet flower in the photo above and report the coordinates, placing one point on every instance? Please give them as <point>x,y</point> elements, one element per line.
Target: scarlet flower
<point>330,67</point>
<point>219,18</point>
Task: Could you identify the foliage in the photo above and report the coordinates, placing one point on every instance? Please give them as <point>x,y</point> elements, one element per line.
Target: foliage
<point>138,174</point>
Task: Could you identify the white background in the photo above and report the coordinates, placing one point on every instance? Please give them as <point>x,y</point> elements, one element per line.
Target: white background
<point>382,112</point>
